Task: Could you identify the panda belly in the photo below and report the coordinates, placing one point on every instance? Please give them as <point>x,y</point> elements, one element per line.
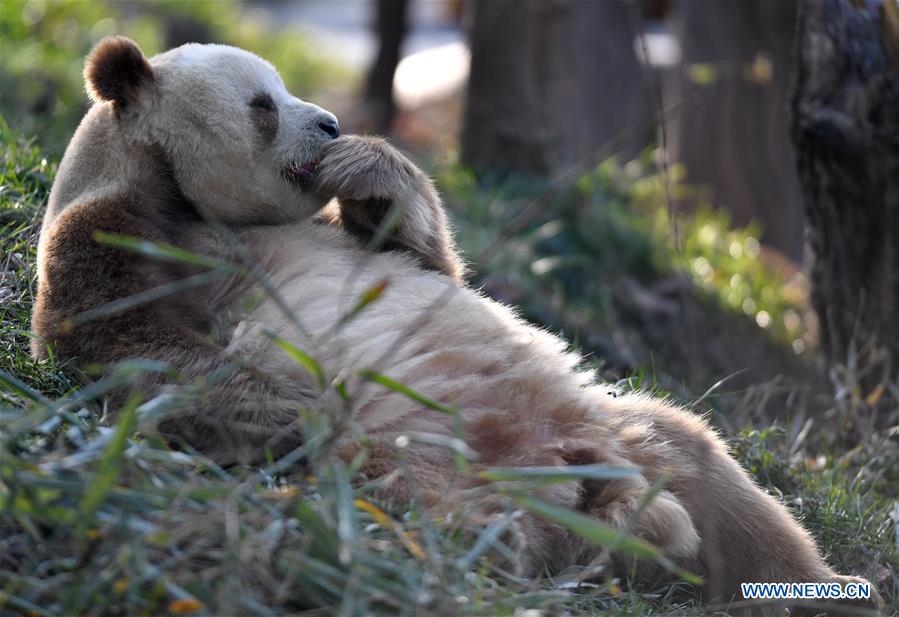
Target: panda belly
<point>423,330</point>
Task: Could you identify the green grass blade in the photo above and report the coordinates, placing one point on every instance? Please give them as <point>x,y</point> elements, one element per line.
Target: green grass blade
<point>558,474</point>
<point>300,357</point>
<point>400,388</point>
<point>370,295</point>
<point>16,386</point>
<point>458,446</point>
<point>145,297</point>
<point>365,298</point>
<point>601,534</point>
<point>109,465</point>
<point>164,252</point>
<point>346,514</point>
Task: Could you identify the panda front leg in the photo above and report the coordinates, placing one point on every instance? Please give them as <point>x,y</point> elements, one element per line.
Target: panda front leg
<point>386,201</point>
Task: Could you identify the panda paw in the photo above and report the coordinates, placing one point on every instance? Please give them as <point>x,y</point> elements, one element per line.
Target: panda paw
<point>361,168</point>
<point>375,184</point>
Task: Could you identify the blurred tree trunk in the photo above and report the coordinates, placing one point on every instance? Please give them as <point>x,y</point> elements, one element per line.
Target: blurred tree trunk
<point>845,127</point>
<point>551,82</point>
<point>180,29</point>
<point>734,140</point>
<point>390,25</point>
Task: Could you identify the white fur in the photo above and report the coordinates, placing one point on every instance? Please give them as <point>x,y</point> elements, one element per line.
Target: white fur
<point>204,91</point>
<point>198,110</point>
<point>420,320</point>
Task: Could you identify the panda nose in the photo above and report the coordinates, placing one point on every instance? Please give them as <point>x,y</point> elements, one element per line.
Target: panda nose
<point>330,126</point>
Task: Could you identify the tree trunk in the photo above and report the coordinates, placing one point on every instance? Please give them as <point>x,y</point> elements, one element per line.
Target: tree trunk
<point>845,128</point>
<point>551,82</point>
<point>390,25</point>
<point>732,134</point>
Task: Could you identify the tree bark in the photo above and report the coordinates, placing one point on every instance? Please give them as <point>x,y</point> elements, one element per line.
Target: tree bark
<point>551,82</point>
<point>845,128</point>
<point>732,135</point>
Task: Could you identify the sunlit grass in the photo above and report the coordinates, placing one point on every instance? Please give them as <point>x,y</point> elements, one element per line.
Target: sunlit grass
<point>605,260</point>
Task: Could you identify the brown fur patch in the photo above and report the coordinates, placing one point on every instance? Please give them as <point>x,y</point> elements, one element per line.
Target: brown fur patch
<point>81,274</point>
<point>116,70</point>
<point>264,114</point>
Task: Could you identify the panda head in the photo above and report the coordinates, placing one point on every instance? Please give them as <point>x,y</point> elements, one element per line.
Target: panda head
<point>241,147</point>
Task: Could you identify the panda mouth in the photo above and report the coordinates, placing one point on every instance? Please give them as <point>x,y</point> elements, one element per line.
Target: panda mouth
<point>301,173</point>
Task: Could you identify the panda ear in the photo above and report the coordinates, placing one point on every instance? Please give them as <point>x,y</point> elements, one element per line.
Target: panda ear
<point>116,70</point>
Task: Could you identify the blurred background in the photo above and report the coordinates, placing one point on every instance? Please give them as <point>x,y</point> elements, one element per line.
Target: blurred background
<point>622,170</point>
<point>551,82</point>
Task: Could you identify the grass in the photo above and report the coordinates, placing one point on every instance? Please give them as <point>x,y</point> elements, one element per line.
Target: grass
<point>620,279</point>
<point>103,518</point>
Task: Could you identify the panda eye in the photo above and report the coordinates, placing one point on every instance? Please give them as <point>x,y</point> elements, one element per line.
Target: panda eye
<point>263,102</point>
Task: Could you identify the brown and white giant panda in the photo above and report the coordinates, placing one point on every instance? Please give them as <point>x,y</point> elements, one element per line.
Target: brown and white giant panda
<point>202,148</point>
